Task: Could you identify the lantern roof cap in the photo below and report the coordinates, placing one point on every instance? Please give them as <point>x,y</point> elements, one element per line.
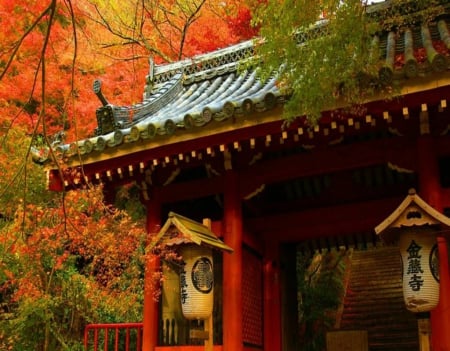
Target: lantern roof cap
<point>412,212</point>
<point>180,230</point>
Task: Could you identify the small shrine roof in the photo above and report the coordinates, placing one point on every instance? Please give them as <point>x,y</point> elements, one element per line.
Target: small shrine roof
<point>180,230</point>
<point>412,212</point>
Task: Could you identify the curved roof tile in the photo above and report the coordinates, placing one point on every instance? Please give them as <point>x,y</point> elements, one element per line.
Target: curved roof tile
<point>191,93</point>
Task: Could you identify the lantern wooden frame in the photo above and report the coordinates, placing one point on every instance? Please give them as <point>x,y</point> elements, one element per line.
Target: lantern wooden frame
<point>414,220</point>
<point>179,232</point>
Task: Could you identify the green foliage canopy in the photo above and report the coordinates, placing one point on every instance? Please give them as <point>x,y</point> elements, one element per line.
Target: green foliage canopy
<point>325,51</point>
<point>320,49</point>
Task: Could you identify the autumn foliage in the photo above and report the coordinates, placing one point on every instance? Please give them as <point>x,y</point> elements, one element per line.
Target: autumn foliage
<point>64,266</point>
<point>67,259</point>
<point>88,39</point>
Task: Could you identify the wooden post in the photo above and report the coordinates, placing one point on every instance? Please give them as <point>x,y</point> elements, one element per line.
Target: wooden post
<point>209,323</point>
<point>430,191</point>
<point>209,342</point>
<point>424,333</point>
<point>272,297</point>
<point>232,266</point>
<point>150,318</point>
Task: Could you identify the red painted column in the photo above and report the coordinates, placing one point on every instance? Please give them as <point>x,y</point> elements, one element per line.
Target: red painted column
<point>232,266</point>
<point>150,319</point>
<point>430,191</point>
<point>272,297</point>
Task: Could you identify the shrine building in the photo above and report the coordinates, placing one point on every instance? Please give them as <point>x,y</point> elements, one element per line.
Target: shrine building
<point>208,141</point>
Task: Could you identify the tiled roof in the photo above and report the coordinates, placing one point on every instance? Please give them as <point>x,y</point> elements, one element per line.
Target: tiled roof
<point>192,93</point>
<point>180,230</point>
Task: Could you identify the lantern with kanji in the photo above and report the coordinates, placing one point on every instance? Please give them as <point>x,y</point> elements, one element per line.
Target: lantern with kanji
<point>420,265</point>
<point>196,281</point>
<point>414,225</point>
<point>194,243</point>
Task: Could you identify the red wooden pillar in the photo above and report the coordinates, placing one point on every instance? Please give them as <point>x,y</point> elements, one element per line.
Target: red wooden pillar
<point>272,297</point>
<point>150,319</point>
<point>232,266</point>
<point>430,191</point>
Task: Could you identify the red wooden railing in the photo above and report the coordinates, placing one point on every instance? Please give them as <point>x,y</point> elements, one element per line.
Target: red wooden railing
<point>113,337</point>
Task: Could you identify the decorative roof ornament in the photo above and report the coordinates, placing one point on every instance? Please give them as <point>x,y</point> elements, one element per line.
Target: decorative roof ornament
<point>412,212</point>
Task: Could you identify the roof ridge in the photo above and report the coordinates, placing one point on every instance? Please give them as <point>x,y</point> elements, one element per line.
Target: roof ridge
<point>203,62</point>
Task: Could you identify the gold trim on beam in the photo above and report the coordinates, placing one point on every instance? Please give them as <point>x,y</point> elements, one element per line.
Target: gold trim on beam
<point>227,161</point>
<point>399,169</point>
<point>172,177</point>
<point>424,122</point>
<point>255,192</point>
<point>405,111</point>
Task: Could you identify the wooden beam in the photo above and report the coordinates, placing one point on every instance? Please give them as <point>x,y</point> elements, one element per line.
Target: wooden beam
<point>193,189</point>
<point>400,152</point>
<point>324,222</point>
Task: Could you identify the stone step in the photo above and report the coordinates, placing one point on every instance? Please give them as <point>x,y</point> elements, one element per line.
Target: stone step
<point>374,301</point>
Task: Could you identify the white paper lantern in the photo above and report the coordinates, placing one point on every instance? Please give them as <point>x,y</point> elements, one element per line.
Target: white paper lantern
<point>196,282</point>
<point>420,269</point>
